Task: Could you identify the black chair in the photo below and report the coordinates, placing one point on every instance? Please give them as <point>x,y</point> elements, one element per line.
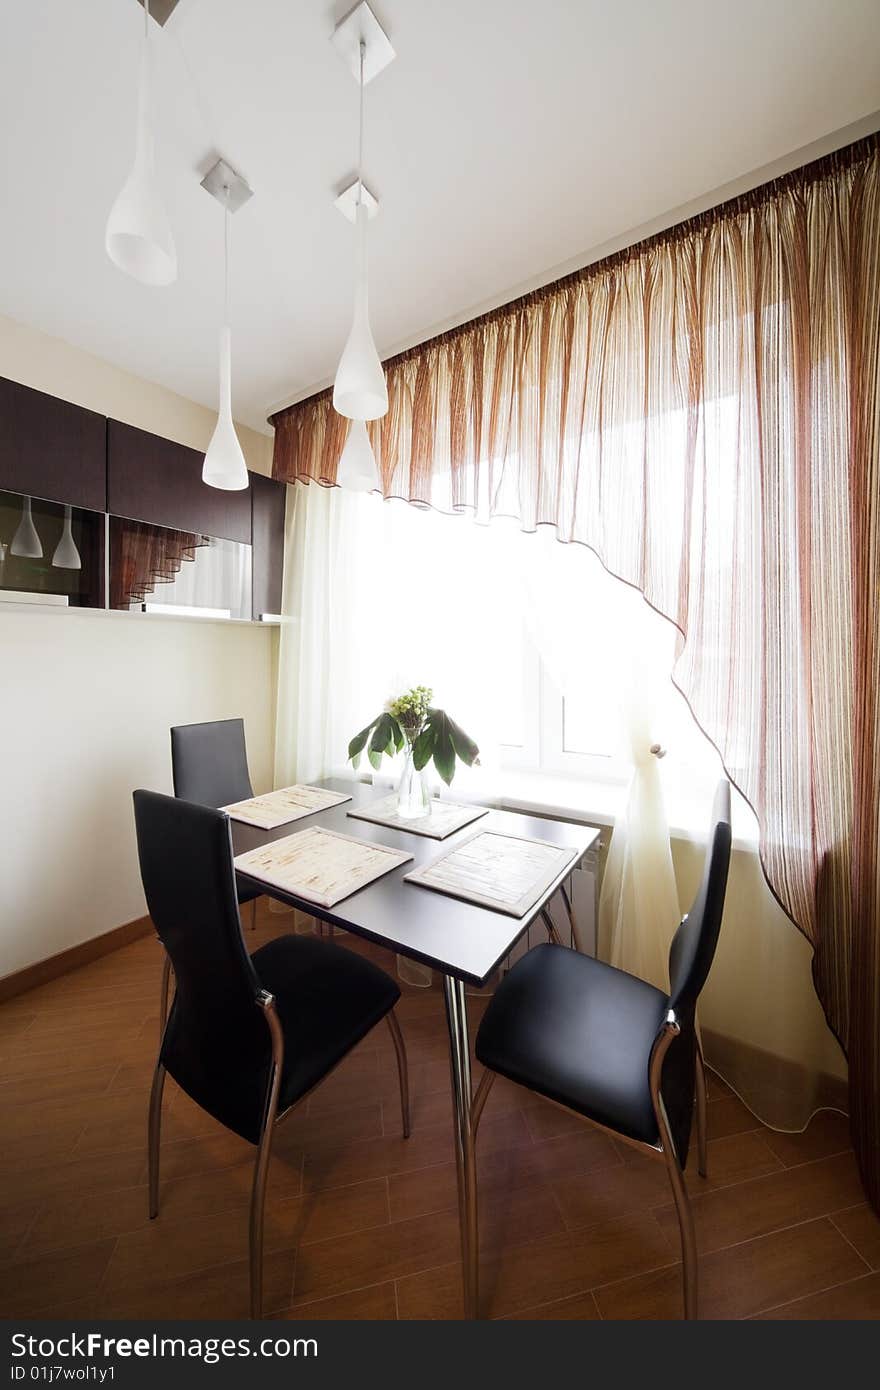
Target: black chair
<point>209,763</point>
<point>248,1037</point>
<point>209,767</point>
<point>611,1047</point>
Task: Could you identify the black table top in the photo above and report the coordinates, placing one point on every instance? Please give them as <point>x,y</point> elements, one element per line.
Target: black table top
<point>458,938</point>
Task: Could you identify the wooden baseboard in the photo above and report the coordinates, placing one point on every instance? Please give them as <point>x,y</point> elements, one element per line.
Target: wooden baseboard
<point>73,958</point>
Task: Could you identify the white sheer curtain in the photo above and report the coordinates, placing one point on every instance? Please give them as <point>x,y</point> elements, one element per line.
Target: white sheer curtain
<point>327,674</point>
<point>638,910</point>
<point>380,595</point>
<point>638,907</point>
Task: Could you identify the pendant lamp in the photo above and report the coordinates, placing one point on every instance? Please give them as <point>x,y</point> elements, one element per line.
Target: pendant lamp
<point>225,465</point>
<point>356,470</point>
<point>66,555</point>
<point>26,544</point>
<point>359,391</point>
<point>138,234</point>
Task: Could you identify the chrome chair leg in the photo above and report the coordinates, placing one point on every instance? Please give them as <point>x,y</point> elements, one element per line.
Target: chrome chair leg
<point>253,914</point>
<point>568,899</point>
<point>702,1128</point>
<point>685,1230</point>
<point>402,1069</point>
<point>480,1097</point>
<point>153,1138</point>
<point>552,933</point>
<point>673,1168</point>
<point>164,991</point>
<point>257,1218</point>
<point>264,1150</point>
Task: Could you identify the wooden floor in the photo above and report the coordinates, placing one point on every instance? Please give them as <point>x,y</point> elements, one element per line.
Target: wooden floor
<point>363,1224</point>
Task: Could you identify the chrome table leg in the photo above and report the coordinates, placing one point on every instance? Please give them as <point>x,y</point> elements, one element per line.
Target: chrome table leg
<point>460,1062</point>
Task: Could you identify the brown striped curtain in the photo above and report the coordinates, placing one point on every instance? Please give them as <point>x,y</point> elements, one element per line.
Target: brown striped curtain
<point>703,410</point>
<point>142,556</point>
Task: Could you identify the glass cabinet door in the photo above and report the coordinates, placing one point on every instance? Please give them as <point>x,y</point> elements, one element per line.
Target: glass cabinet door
<point>159,569</point>
<point>51,553</point>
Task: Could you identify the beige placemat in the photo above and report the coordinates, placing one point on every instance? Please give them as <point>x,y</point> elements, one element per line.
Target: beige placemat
<point>445,817</point>
<point>320,866</point>
<point>508,873</point>
<point>279,808</point>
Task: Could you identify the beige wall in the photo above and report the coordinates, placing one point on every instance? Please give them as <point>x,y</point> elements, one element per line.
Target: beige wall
<point>87,699</point>
<point>48,364</point>
<point>767,1033</point>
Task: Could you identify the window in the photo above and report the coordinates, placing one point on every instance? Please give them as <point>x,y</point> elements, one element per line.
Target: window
<point>527,642</point>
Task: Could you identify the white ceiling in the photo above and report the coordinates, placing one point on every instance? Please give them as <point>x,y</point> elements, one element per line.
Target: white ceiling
<point>509,138</point>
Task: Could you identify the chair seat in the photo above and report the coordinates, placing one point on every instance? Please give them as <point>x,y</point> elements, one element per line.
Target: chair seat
<point>579,1032</point>
<point>327,999</point>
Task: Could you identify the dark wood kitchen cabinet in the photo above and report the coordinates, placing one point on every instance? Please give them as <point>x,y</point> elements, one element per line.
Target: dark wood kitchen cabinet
<point>58,453</point>
<point>268,501</point>
<point>155,480</point>
<point>51,449</point>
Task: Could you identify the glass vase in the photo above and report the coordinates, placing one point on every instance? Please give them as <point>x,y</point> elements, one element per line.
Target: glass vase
<point>413,800</point>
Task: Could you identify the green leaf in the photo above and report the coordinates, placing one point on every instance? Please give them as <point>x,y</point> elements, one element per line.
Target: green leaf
<point>441,739</point>
<point>463,744</point>
<point>423,748</point>
<point>444,754</point>
<point>356,747</point>
<point>383,738</point>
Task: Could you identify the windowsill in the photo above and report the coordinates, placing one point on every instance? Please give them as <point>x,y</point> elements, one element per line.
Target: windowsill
<point>586,803</point>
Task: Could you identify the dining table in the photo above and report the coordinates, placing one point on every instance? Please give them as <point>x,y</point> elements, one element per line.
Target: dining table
<point>463,941</point>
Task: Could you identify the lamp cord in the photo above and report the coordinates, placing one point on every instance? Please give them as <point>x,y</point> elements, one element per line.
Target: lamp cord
<point>147,20</point>
<point>360,197</point>
<point>226,265</point>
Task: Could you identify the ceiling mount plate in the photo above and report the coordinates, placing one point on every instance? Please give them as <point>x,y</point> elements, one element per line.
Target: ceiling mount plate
<point>228,187</point>
<point>362,24</point>
<point>347,202</point>
<point>161,10</point>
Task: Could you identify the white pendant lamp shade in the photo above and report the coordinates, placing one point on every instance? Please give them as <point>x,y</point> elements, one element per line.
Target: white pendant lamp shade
<point>359,391</point>
<point>66,555</point>
<point>26,544</point>
<point>224,465</point>
<point>138,235</point>
<point>357,471</point>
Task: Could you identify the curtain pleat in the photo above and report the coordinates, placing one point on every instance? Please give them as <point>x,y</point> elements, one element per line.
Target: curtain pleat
<point>703,411</point>
<point>143,556</point>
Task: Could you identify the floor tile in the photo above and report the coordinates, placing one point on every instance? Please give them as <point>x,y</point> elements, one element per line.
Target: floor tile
<point>742,1280</point>
<point>363,1224</point>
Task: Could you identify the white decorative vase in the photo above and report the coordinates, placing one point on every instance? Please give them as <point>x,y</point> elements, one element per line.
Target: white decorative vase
<point>413,801</point>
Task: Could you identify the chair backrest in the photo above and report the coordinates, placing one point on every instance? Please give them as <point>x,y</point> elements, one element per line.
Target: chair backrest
<point>185,854</point>
<point>693,946</point>
<point>209,762</point>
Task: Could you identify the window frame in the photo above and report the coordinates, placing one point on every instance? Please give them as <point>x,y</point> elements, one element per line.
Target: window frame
<point>543,750</point>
